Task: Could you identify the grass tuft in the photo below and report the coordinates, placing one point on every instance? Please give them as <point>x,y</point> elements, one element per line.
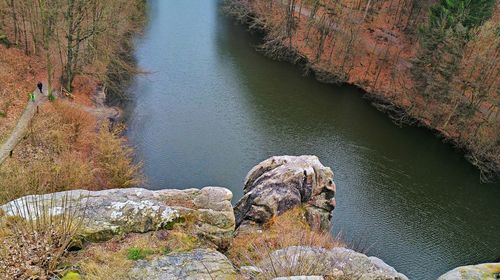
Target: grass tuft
<point>135,254</point>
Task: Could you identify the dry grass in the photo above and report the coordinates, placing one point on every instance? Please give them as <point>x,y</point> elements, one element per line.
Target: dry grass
<point>111,260</point>
<point>113,158</point>
<point>33,242</point>
<point>289,229</point>
<point>64,150</point>
<point>300,261</point>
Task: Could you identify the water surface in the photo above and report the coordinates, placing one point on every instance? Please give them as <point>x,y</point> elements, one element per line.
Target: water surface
<point>213,107</point>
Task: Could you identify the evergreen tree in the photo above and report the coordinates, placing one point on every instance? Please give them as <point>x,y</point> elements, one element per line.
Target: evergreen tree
<point>442,42</point>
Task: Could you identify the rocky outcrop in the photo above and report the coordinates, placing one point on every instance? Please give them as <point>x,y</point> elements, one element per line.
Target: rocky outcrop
<point>283,182</point>
<point>271,188</point>
<point>485,271</point>
<point>195,265</point>
<point>337,263</point>
<point>119,211</point>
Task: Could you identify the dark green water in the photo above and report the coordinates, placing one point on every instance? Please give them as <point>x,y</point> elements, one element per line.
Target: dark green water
<point>213,107</point>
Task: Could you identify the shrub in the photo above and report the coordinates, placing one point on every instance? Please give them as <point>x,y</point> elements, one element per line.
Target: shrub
<point>69,171</point>
<point>289,229</point>
<point>113,157</point>
<point>4,40</point>
<point>34,238</point>
<point>64,151</point>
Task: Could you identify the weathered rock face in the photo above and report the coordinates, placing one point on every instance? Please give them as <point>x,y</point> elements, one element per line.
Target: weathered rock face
<point>198,264</point>
<point>119,211</point>
<point>485,271</point>
<point>283,182</point>
<point>336,262</point>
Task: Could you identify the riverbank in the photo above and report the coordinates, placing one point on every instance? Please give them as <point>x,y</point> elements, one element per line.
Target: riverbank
<point>69,143</point>
<point>374,48</point>
<point>76,140</point>
<point>212,106</point>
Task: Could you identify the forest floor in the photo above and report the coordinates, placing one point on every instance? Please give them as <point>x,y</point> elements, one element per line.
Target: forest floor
<point>19,75</point>
<point>22,126</point>
<point>72,142</point>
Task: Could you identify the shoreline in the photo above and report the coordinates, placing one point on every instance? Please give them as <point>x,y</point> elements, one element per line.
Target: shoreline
<point>401,114</point>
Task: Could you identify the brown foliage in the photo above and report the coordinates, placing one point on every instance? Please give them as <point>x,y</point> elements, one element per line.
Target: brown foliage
<point>33,243</point>
<point>65,151</point>
<point>18,77</point>
<point>289,229</point>
<point>372,44</point>
<point>75,36</point>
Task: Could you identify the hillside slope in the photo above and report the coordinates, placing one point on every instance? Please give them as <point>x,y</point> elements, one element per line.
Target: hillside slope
<point>413,57</point>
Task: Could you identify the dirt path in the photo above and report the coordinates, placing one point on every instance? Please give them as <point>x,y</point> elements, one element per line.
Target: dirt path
<point>22,126</point>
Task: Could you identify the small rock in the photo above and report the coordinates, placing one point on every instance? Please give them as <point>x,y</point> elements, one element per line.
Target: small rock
<point>162,234</point>
<point>485,271</point>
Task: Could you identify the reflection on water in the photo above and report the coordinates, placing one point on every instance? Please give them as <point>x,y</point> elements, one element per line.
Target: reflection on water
<point>213,107</point>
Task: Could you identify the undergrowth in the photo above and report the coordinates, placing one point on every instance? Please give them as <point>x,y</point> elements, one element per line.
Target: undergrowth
<point>64,151</point>
<point>34,238</point>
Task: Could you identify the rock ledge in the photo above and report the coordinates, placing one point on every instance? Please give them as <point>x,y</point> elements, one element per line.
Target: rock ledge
<point>120,211</point>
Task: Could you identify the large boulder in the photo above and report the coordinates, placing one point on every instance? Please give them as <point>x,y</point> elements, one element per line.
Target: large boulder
<point>485,271</point>
<point>283,182</point>
<point>337,262</point>
<point>198,264</point>
<point>119,211</point>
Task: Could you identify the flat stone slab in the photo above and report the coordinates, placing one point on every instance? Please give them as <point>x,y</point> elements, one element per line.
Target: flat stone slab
<point>119,211</point>
<point>198,264</point>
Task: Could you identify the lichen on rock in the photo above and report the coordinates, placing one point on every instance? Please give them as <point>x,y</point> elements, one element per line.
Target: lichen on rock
<point>120,211</point>
<point>194,265</point>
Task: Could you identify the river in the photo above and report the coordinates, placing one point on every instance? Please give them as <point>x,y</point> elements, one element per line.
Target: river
<point>212,107</point>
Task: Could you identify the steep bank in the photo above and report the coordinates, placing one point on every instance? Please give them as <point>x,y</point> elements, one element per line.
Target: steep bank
<point>376,47</point>
<point>19,74</point>
<point>77,139</point>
